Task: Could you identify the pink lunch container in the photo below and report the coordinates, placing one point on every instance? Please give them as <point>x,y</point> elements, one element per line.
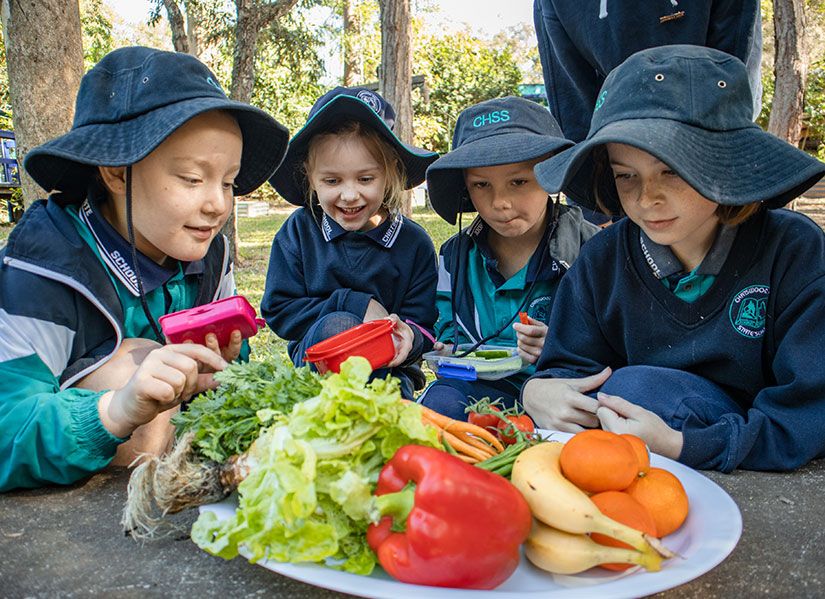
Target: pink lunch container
<point>220,317</point>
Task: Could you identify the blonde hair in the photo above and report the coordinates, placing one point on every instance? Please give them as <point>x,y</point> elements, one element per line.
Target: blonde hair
<point>383,153</point>
<point>728,215</point>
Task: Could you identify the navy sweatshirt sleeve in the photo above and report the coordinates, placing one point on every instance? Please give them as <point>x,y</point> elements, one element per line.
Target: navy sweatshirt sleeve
<point>287,306</point>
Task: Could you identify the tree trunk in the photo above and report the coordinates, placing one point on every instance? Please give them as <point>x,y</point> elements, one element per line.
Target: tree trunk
<point>179,38</point>
<point>192,20</point>
<point>44,58</point>
<point>252,17</point>
<point>352,33</point>
<point>396,68</point>
<point>790,70</point>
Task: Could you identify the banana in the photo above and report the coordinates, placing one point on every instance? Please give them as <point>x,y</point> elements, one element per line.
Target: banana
<point>559,503</point>
<point>565,553</point>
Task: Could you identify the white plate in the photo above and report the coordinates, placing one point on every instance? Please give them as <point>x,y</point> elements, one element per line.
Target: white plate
<point>707,537</point>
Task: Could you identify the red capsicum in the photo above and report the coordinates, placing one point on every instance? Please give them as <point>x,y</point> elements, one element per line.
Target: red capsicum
<point>447,523</point>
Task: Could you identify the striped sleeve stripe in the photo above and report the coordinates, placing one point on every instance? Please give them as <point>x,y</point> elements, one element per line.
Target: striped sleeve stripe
<point>22,336</point>
<point>444,283</point>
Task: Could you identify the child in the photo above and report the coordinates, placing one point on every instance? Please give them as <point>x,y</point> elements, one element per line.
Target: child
<point>512,257</point>
<point>348,256</point>
<point>697,317</point>
<point>144,181</point>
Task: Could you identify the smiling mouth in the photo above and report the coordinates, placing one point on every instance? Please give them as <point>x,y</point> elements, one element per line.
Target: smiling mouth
<point>351,210</point>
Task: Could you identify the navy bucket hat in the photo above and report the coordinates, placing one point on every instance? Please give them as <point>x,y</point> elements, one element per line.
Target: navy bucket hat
<point>490,133</point>
<point>340,105</point>
<point>690,107</point>
<point>130,102</point>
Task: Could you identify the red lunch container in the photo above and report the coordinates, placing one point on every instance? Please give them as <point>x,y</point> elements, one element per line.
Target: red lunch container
<point>372,340</point>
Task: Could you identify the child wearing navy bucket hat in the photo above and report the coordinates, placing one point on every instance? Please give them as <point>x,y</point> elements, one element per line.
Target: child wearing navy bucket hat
<point>348,255</point>
<point>511,258</point>
<point>141,184</point>
<point>697,319</point>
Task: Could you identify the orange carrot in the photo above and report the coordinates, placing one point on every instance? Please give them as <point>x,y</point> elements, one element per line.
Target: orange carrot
<point>464,448</point>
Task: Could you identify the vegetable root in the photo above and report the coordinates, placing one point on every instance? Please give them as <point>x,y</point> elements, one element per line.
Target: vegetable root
<point>168,484</point>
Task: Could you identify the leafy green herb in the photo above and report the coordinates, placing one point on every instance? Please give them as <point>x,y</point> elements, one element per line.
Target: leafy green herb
<point>308,496</point>
<point>228,419</point>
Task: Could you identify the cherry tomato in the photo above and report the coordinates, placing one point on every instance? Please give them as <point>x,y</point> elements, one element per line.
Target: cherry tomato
<point>485,421</point>
<point>505,428</point>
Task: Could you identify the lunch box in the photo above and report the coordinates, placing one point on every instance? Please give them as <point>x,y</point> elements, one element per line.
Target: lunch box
<point>220,317</point>
<point>372,340</point>
<point>471,368</point>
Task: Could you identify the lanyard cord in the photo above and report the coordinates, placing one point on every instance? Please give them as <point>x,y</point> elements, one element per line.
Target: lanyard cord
<point>554,223</point>
<point>131,231</point>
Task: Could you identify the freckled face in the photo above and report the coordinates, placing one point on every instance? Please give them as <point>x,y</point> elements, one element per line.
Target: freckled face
<point>666,208</point>
<point>182,191</point>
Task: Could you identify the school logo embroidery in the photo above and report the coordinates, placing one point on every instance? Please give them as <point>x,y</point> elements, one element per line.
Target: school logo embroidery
<point>540,308</point>
<point>371,99</point>
<point>600,100</point>
<point>748,309</point>
<point>489,118</point>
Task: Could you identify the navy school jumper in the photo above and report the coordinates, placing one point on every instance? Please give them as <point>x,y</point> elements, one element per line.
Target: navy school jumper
<point>318,268</point>
<point>757,333</point>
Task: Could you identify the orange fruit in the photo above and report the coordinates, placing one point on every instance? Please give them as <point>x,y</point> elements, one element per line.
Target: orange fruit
<point>642,452</point>
<point>664,497</point>
<point>621,507</point>
<point>596,460</point>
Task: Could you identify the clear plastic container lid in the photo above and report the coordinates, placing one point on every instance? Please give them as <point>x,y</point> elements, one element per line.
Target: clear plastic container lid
<point>487,362</point>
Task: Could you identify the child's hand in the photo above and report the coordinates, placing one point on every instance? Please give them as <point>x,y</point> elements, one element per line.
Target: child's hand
<point>166,377</point>
<point>375,311</point>
<point>445,349</point>
<point>229,353</point>
<point>530,338</point>
<point>561,404</point>
<point>402,338</point>
<point>621,416</point>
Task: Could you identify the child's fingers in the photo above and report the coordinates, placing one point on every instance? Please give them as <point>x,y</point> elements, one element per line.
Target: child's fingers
<point>211,341</point>
<point>620,405</point>
<point>610,420</point>
<point>528,357</point>
<point>205,382</point>
<point>200,353</point>
<point>531,330</point>
<point>592,382</point>
<point>233,348</point>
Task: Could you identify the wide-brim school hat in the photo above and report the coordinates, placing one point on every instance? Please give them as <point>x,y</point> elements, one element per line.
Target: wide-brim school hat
<point>130,102</point>
<point>491,133</point>
<point>337,106</point>
<point>690,107</point>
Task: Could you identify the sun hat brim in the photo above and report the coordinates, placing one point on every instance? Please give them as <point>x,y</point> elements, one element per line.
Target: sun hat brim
<point>66,163</point>
<point>445,179</point>
<point>290,180</point>
<point>732,168</point>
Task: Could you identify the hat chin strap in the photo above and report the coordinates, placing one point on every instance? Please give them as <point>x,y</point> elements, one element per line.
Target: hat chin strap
<point>131,233</point>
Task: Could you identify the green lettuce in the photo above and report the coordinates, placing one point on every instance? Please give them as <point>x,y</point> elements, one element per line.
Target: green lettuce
<point>308,497</point>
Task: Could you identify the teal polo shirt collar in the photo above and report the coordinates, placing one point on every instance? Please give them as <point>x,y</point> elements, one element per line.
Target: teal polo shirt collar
<point>384,234</point>
<point>664,263</point>
<point>478,231</point>
<point>116,253</point>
